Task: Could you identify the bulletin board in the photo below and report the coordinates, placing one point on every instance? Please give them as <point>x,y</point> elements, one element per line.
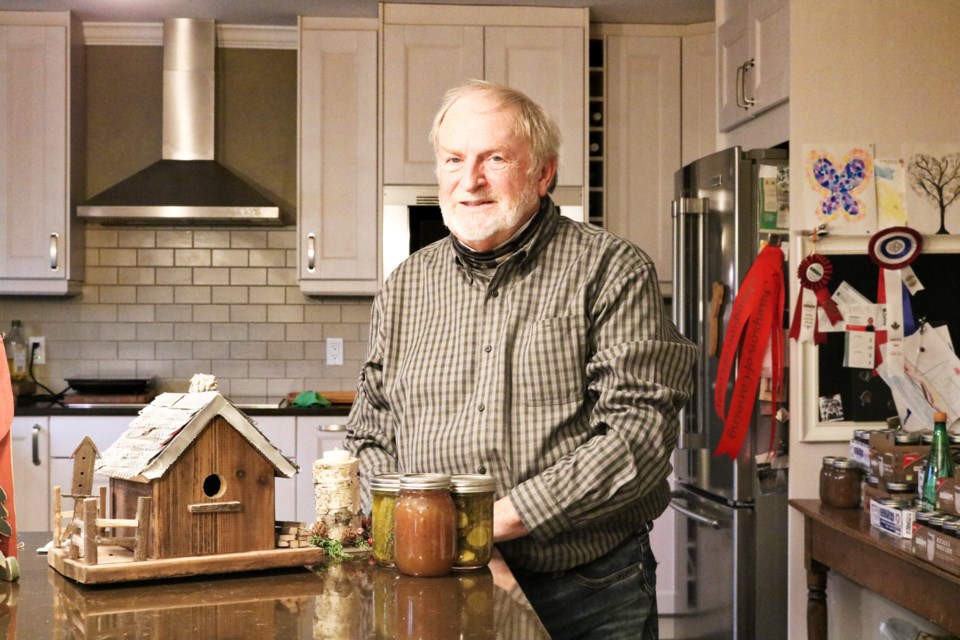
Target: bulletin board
<point>865,397</point>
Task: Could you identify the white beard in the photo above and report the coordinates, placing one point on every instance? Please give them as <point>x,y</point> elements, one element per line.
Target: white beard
<point>476,227</point>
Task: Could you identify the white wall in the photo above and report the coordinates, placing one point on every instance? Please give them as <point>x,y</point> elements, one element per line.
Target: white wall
<point>880,71</point>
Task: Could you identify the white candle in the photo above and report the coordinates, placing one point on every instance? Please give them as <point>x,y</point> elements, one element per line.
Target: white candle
<point>336,455</point>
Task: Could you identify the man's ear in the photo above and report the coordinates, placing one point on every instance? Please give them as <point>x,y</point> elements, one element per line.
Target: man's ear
<point>548,177</point>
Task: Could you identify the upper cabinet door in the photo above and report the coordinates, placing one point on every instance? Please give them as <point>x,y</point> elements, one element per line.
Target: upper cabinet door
<point>547,64</point>
<point>770,30</point>
<point>35,132</point>
<point>337,230</point>
<point>421,62</point>
<point>753,58</point>
<point>643,143</point>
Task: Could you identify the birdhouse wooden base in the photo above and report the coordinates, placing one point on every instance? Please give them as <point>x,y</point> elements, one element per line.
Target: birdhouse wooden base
<point>116,564</point>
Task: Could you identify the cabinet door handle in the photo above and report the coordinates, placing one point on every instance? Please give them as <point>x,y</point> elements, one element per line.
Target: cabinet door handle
<point>36,445</point>
<point>747,102</point>
<point>311,251</point>
<point>54,251</point>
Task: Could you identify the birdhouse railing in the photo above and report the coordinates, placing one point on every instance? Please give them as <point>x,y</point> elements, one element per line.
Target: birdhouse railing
<point>85,532</point>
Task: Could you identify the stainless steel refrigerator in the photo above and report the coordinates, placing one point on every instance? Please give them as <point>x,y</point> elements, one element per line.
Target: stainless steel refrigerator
<point>731,515</point>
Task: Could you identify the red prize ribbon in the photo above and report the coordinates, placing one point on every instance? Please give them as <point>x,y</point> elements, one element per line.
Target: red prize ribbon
<point>756,321</point>
<point>814,274</point>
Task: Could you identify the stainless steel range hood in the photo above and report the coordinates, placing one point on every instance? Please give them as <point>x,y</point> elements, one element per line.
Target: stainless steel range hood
<point>187,184</point>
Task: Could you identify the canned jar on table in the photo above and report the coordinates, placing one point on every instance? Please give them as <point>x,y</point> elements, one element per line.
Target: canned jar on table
<point>473,496</point>
<point>425,525</point>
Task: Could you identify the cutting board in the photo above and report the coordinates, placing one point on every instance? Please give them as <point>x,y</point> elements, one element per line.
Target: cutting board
<point>109,398</point>
<point>334,397</point>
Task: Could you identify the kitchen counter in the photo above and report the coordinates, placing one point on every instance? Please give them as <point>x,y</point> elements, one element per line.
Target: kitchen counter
<point>348,599</point>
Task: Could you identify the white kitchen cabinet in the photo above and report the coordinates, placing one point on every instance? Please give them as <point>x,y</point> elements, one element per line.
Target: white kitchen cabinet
<point>41,161</point>
<point>30,437</point>
<point>698,91</point>
<point>282,432</point>
<point>430,49</point>
<point>753,59</point>
<point>642,150</point>
<point>337,244</point>
<point>315,434</point>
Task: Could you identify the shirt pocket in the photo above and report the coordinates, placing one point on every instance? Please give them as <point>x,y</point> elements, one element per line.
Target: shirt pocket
<point>552,361</point>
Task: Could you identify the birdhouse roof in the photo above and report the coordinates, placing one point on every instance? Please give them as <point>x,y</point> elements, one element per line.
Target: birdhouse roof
<point>164,429</point>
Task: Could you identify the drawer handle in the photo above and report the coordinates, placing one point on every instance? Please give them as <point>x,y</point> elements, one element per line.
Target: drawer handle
<point>311,251</point>
<point>36,445</point>
<point>54,251</point>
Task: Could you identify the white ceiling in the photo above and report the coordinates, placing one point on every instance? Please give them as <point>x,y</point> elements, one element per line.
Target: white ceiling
<point>285,12</point>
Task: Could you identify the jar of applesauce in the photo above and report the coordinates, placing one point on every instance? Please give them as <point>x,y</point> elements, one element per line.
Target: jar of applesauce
<point>425,525</point>
<point>473,498</point>
<point>384,490</point>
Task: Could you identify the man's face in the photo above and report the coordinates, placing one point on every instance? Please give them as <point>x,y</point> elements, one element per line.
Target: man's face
<point>486,193</point>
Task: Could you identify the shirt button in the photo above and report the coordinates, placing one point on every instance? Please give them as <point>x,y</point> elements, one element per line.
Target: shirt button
<point>494,293</point>
<point>481,469</point>
<point>488,348</point>
<point>481,408</point>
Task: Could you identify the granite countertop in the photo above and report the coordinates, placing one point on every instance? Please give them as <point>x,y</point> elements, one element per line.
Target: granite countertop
<point>348,599</point>
<point>132,410</point>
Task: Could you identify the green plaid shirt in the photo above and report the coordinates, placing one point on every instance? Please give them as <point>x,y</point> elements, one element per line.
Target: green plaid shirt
<point>560,375</point>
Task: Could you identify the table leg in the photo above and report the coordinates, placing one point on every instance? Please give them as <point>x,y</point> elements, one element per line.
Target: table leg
<point>816,601</point>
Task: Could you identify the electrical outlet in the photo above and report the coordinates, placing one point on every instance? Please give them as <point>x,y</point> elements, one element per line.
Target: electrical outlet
<point>334,351</point>
<point>40,353</point>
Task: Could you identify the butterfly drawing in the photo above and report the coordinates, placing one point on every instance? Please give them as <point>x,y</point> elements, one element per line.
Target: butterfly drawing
<point>839,183</point>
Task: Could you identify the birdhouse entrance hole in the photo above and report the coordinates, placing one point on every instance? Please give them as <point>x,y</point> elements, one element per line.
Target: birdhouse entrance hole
<point>213,486</point>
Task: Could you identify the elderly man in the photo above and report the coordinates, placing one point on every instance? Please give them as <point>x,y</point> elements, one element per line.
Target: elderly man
<point>534,349</point>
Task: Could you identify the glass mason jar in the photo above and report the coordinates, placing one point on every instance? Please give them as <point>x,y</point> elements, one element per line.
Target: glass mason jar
<point>844,484</point>
<point>384,490</point>
<point>826,474</point>
<point>473,498</point>
<point>425,525</point>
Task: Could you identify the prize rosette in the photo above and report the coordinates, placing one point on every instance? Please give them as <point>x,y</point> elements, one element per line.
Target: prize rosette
<point>895,247</point>
<point>814,274</point>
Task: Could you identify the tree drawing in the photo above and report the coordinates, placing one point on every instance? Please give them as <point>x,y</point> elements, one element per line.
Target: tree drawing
<point>937,180</point>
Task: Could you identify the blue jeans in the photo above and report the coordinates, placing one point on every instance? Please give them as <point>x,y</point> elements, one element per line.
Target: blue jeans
<point>614,596</point>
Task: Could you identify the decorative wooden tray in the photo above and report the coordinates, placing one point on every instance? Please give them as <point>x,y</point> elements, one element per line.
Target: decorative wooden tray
<point>116,564</point>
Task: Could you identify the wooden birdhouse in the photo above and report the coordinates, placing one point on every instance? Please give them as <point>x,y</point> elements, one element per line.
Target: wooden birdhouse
<point>208,471</point>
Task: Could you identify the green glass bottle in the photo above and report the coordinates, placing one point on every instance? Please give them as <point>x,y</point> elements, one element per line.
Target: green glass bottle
<point>940,462</point>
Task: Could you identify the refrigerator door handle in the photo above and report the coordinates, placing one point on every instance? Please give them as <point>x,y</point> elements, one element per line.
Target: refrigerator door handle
<point>683,510</point>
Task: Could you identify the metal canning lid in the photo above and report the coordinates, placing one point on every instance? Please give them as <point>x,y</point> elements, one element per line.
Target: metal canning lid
<point>923,516</point>
<point>843,463</point>
<point>828,460</point>
<point>953,437</point>
<point>472,483</point>
<point>927,437</point>
<point>863,435</point>
<point>936,520</point>
<point>901,487</point>
<point>873,481</point>
<point>897,503</point>
<point>906,437</point>
<point>424,481</point>
<point>951,524</point>
<point>388,482</point>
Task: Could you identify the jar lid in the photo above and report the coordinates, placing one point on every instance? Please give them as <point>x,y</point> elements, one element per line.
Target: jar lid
<point>828,460</point>
<point>472,483</point>
<point>389,482</point>
<point>906,437</point>
<point>937,519</point>
<point>951,524</point>
<point>861,434</point>
<point>422,481</point>
<point>901,487</point>
<point>844,463</point>
<point>873,481</point>
<point>953,437</point>
<point>896,503</point>
<point>923,516</point>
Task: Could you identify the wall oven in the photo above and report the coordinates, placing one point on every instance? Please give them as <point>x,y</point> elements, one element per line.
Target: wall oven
<point>412,219</point>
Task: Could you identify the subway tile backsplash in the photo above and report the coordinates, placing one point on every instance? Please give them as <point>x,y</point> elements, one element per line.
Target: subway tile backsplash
<point>174,302</point>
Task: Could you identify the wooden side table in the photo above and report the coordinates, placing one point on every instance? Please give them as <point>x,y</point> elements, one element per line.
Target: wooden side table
<point>842,540</point>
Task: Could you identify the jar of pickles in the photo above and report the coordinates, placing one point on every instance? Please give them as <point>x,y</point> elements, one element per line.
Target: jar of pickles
<point>425,525</point>
<point>473,498</point>
<point>384,490</point>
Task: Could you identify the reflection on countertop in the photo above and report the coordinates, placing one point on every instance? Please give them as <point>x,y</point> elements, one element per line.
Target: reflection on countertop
<point>348,599</point>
